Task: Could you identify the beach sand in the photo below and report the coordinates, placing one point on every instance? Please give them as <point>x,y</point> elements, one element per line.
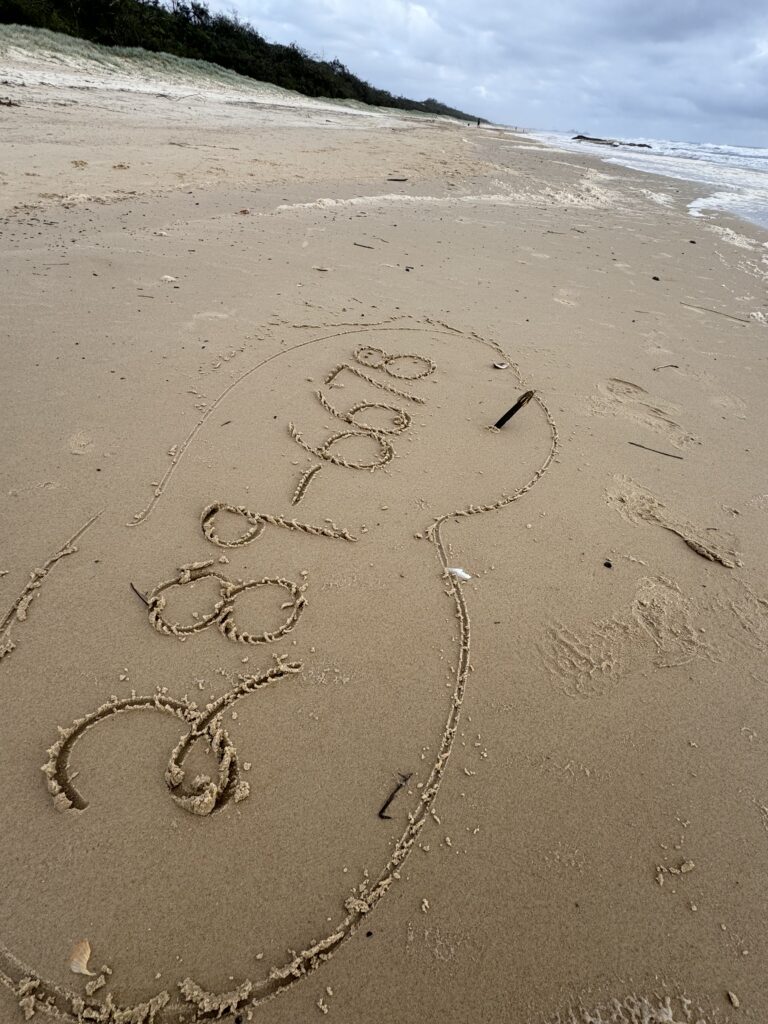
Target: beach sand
<point>200,294</point>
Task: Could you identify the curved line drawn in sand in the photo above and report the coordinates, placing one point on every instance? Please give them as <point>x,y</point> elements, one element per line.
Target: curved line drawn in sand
<point>198,1005</point>
<point>205,795</point>
<point>18,610</point>
<point>636,504</point>
<point>623,398</point>
<point>179,450</point>
<point>223,611</point>
<point>589,661</point>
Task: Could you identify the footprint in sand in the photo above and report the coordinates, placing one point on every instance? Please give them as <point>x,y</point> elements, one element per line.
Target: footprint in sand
<point>637,505</point>
<point>80,443</point>
<point>660,627</point>
<point>730,404</point>
<point>623,398</point>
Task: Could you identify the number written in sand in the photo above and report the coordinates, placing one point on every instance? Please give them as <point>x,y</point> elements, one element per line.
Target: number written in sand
<point>204,794</point>
<point>400,367</point>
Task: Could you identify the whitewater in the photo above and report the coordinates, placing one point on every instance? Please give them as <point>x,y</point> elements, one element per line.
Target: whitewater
<point>737,176</point>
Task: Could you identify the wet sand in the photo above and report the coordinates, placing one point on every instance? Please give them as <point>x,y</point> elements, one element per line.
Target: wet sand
<point>249,371</point>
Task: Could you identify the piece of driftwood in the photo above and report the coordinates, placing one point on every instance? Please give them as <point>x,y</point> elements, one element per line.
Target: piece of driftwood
<point>669,455</point>
<point>610,142</point>
<point>522,400</point>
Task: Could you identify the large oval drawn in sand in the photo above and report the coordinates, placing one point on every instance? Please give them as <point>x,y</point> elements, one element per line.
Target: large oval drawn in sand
<point>217,744</point>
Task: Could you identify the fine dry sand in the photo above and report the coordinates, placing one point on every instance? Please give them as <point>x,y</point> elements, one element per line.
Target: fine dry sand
<point>207,295</point>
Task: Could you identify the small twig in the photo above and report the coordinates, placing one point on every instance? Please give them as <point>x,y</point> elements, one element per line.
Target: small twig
<point>522,400</point>
<point>707,309</point>
<point>393,794</point>
<point>645,446</point>
<point>225,423</point>
<point>360,245</point>
<point>397,179</point>
<point>139,594</point>
<point>666,366</point>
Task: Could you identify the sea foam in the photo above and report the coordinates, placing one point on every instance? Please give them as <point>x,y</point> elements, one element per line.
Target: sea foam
<point>738,174</point>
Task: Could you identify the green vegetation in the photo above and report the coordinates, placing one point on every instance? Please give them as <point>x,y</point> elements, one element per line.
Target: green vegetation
<point>190,30</point>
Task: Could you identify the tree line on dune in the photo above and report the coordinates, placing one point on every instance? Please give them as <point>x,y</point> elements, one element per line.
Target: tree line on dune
<point>191,30</point>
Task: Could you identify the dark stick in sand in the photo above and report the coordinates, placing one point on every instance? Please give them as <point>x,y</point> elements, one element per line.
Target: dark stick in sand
<point>393,794</point>
<point>706,309</point>
<point>645,446</point>
<point>139,594</point>
<point>522,400</point>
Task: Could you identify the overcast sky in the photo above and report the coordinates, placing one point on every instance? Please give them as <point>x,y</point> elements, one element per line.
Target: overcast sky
<point>695,70</point>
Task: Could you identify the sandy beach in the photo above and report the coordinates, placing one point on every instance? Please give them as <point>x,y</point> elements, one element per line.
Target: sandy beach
<point>252,346</point>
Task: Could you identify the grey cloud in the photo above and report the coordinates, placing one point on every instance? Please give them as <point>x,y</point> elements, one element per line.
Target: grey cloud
<point>695,69</point>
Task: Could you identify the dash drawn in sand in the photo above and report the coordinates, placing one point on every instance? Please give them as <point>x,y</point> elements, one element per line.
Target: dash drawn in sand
<point>636,504</point>
<point>193,1004</point>
<point>18,610</point>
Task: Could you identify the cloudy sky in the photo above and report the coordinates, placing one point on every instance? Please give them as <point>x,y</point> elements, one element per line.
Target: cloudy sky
<point>695,70</point>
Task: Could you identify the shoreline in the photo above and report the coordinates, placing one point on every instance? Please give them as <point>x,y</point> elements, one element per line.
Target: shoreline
<point>719,202</point>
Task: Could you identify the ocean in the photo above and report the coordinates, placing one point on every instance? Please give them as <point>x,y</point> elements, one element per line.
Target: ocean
<point>737,176</point>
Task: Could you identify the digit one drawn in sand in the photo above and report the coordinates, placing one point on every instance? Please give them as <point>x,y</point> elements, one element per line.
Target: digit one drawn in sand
<point>192,1004</point>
